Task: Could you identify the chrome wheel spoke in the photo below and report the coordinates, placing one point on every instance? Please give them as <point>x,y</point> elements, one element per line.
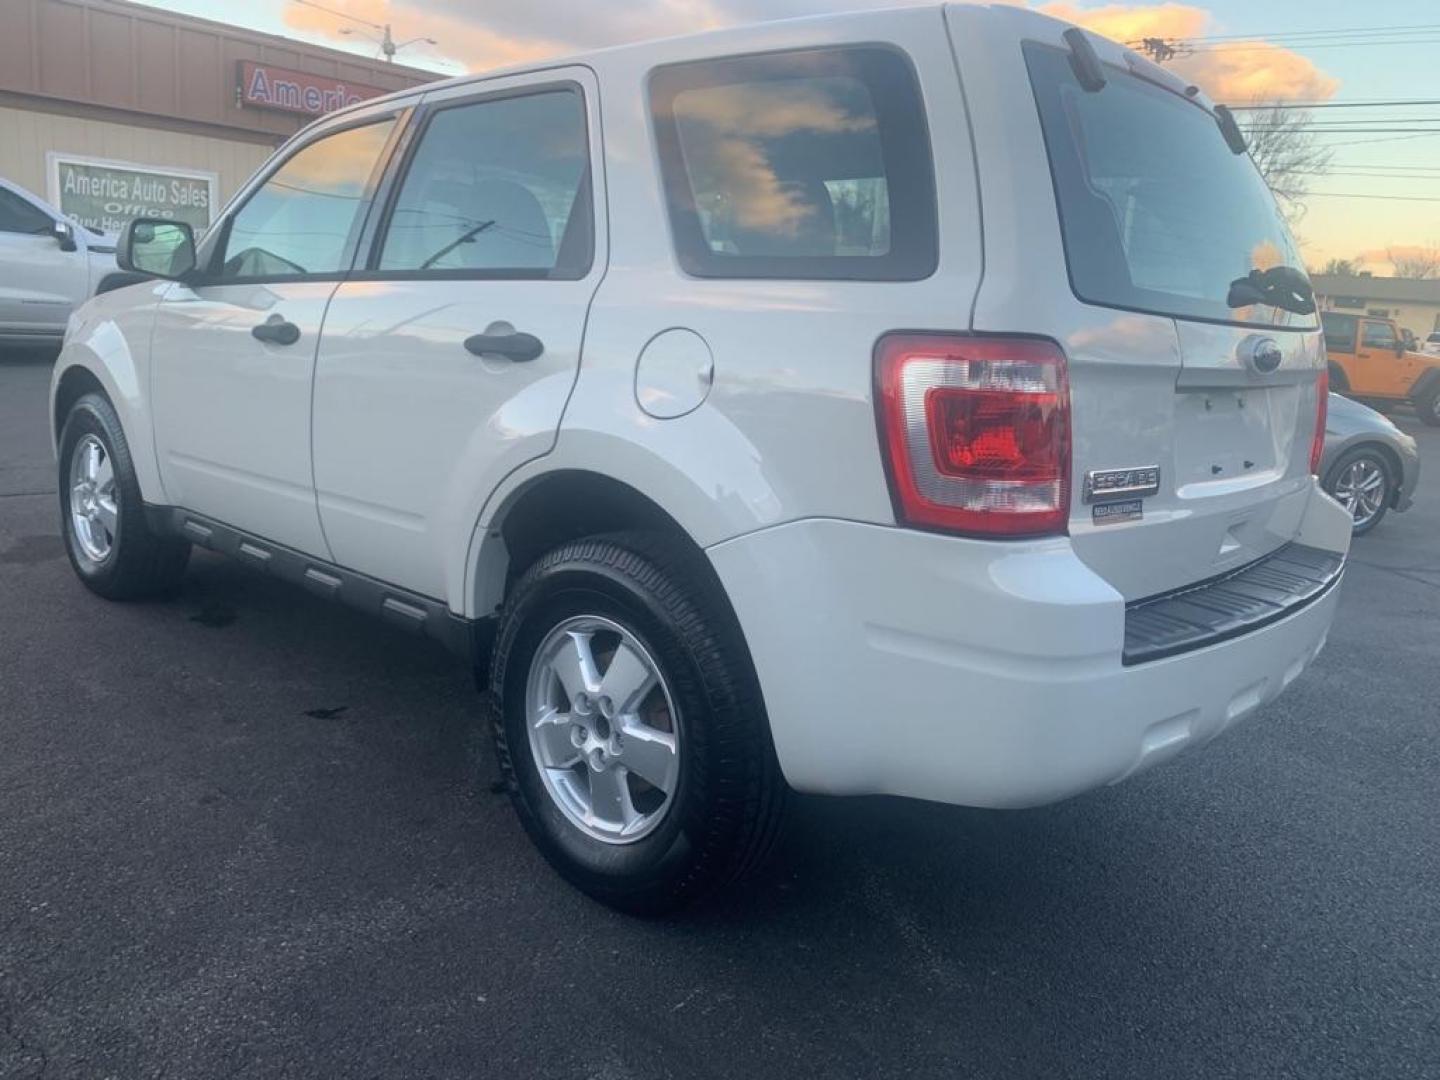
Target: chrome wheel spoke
<point>106,513</point>
<point>650,755</point>
<point>574,665</point>
<point>556,744</point>
<point>610,797</point>
<point>627,680</point>
<point>104,474</point>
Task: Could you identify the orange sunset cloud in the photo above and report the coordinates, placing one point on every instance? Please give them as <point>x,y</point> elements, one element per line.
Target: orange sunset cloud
<point>1244,71</point>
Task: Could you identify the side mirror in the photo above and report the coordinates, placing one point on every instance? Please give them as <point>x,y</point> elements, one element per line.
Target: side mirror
<point>1400,348</point>
<point>158,247</point>
<point>64,234</point>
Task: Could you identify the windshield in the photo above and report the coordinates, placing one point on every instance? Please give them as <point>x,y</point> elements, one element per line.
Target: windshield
<point>1158,214</point>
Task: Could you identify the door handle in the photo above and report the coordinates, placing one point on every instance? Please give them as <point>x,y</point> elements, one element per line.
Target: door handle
<point>516,346</point>
<point>276,331</point>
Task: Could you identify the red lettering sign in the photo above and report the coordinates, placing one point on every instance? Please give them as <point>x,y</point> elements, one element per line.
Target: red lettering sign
<point>264,86</point>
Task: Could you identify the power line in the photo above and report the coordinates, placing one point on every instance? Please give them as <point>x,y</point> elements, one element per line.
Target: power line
<point>1383,198</point>
<point>1374,121</point>
<point>1351,31</point>
<point>339,14</point>
<point>1398,103</point>
<point>1266,47</point>
<point>1387,139</point>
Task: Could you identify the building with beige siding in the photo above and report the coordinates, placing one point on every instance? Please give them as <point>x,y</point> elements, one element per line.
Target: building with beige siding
<point>1413,304</point>
<point>110,109</point>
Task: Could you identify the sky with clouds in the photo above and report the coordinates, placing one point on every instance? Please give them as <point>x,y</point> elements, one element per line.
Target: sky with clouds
<point>474,36</point>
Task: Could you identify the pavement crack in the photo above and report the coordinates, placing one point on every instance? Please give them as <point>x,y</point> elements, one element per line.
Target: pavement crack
<point>26,494</point>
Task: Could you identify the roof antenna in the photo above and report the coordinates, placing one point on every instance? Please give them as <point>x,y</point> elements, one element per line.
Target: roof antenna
<point>1084,60</point>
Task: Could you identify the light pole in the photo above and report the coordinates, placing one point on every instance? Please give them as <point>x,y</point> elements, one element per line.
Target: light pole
<point>386,41</point>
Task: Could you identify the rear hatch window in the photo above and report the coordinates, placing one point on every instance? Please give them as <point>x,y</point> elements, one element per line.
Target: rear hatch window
<point>1158,214</point>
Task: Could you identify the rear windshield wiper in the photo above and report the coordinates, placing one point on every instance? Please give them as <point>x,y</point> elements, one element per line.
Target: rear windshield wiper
<point>1281,286</point>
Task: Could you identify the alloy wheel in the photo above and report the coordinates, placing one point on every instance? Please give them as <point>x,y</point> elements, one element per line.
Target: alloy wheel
<point>94,499</point>
<point>603,729</point>
<point>1361,489</point>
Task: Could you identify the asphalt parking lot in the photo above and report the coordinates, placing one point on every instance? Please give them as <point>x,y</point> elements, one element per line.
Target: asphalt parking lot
<point>239,836</point>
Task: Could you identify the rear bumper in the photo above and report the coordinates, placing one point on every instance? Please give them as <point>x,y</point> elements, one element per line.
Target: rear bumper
<point>983,674</point>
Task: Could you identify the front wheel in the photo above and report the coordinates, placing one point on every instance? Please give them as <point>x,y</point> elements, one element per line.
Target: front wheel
<point>1361,482</point>
<point>102,515</point>
<point>628,723</point>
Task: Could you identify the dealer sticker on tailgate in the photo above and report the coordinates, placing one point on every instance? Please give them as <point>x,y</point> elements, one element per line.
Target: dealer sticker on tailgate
<point>1112,513</point>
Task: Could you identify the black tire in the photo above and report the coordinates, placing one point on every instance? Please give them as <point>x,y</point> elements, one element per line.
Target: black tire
<point>139,563</point>
<point>1429,408</point>
<point>729,801</point>
<point>1377,459</point>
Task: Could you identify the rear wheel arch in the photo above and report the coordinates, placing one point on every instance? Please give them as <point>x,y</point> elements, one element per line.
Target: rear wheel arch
<point>1339,381</point>
<point>555,508</point>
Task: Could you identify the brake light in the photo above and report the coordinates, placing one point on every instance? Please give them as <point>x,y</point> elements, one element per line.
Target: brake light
<point>1322,411</point>
<point>976,433</point>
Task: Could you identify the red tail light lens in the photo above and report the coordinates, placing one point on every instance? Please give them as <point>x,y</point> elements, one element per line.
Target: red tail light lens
<point>976,433</point>
<point>1322,412</point>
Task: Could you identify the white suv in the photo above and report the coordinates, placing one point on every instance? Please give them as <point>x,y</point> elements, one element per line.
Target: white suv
<point>917,402</point>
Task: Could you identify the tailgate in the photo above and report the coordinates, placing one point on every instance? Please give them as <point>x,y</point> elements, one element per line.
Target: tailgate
<point>1120,222</point>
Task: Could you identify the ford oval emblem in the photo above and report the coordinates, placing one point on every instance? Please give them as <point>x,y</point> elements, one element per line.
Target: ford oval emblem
<point>1264,354</point>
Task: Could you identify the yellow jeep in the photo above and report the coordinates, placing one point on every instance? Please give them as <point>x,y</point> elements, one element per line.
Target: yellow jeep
<point>1369,360</point>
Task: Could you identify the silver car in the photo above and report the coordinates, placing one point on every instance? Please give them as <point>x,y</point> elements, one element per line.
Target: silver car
<point>1369,465</point>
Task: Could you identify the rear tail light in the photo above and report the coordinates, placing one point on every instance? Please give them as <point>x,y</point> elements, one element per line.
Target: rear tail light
<point>976,433</point>
<point>1322,411</point>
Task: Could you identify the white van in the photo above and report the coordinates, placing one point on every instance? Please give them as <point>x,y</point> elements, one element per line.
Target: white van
<point>919,402</point>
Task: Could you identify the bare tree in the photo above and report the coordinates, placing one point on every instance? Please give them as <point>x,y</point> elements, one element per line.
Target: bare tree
<point>1413,262</point>
<point>1287,154</point>
<point>1342,268</point>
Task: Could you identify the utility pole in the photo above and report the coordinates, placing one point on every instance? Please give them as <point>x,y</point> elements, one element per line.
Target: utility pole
<point>388,45</point>
<point>1158,49</point>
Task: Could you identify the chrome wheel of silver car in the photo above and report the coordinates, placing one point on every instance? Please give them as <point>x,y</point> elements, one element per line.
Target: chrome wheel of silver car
<point>603,729</point>
<point>1362,488</point>
<point>94,499</point>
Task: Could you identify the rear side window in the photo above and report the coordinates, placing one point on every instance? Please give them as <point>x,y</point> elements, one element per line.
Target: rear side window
<point>1339,332</point>
<point>810,164</point>
<point>496,188</point>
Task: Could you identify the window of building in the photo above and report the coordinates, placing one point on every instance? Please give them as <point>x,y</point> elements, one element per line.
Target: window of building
<point>496,188</point>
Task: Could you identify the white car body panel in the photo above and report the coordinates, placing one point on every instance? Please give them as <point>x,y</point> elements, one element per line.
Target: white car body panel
<point>41,284</point>
<point>891,659</point>
<point>232,414</point>
<point>400,489</point>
